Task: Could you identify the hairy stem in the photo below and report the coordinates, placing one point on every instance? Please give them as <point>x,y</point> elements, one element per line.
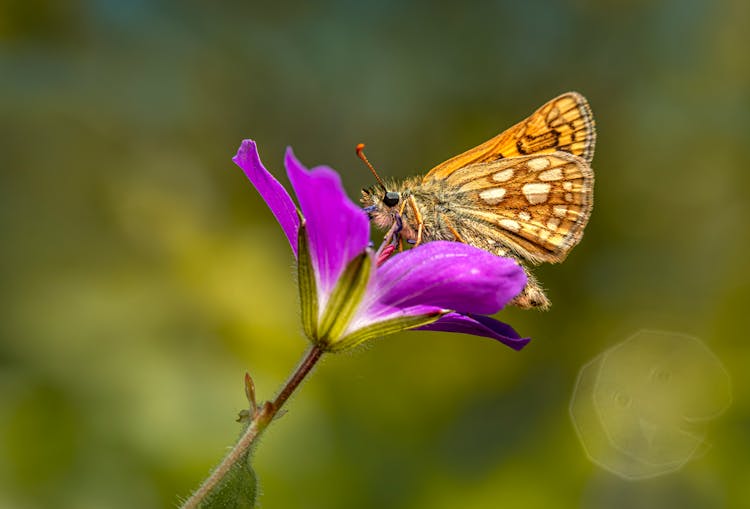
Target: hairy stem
<point>260,420</point>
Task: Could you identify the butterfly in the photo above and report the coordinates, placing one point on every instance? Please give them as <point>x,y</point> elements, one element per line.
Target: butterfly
<point>527,193</point>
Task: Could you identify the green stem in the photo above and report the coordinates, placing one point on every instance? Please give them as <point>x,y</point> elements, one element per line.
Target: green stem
<point>260,421</point>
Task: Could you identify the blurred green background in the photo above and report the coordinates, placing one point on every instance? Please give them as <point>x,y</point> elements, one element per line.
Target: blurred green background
<point>142,274</point>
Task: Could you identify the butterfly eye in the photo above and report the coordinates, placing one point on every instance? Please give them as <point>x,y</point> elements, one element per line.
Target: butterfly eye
<point>390,199</point>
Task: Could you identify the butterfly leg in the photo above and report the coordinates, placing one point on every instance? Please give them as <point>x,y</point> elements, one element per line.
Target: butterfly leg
<point>400,236</point>
<point>390,240</point>
<point>451,229</point>
<point>395,230</point>
<point>418,218</point>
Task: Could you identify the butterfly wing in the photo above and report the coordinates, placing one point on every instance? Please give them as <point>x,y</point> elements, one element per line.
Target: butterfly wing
<point>537,206</point>
<point>563,124</point>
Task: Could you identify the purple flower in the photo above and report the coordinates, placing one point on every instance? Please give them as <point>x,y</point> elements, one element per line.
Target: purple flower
<point>346,299</point>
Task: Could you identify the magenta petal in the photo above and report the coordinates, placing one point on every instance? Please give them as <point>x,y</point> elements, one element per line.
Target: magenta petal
<point>479,326</point>
<point>449,275</point>
<point>272,192</point>
<point>337,229</point>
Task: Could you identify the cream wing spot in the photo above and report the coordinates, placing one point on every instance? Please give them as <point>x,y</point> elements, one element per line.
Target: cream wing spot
<point>568,186</point>
<point>493,196</point>
<point>559,210</point>
<point>503,176</point>
<point>569,197</point>
<point>553,223</point>
<point>551,175</point>
<point>538,164</point>
<point>524,216</point>
<point>536,193</point>
<point>510,224</point>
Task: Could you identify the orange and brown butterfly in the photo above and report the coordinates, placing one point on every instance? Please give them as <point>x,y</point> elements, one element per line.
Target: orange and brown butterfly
<point>526,193</point>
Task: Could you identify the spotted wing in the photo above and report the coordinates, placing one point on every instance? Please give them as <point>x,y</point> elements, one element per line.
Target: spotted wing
<point>536,206</point>
<point>563,124</point>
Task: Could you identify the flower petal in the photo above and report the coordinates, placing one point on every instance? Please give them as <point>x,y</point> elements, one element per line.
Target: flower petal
<point>449,275</point>
<point>479,326</point>
<point>337,229</point>
<point>272,192</point>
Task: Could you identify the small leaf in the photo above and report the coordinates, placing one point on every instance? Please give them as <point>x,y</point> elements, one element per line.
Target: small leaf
<point>238,490</point>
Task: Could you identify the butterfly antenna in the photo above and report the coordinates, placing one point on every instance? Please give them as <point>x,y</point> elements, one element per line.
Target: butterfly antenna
<point>361,155</point>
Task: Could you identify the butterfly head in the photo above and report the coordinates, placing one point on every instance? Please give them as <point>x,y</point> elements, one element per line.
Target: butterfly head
<point>381,205</point>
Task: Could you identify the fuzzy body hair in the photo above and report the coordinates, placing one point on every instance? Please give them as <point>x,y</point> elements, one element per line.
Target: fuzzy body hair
<point>440,205</point>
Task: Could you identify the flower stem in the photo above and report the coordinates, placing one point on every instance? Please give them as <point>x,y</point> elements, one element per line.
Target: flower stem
<point>303,369</point>
<point>260,420</point>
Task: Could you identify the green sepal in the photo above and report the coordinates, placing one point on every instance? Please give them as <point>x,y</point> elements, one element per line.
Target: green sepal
<point>384,328</point>
<point>344,300</point>
<point>308,292</point>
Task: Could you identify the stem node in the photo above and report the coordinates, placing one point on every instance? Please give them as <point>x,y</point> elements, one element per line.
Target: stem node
<point>259,419</point>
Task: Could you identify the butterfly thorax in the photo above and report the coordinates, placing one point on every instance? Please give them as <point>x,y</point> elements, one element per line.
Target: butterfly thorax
<point>434,200</point>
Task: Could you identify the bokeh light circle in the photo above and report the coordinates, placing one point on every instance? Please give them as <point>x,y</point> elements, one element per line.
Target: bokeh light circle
<point>642,408</point>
